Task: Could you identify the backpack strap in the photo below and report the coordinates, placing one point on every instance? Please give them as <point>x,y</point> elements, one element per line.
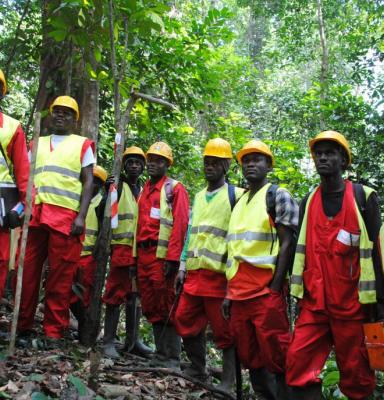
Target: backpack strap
<point>231,196</point>
<point>270,199</point>
<point>361,200</point>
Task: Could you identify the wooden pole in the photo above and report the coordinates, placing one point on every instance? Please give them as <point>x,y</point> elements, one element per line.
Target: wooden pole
<point>27,218</point>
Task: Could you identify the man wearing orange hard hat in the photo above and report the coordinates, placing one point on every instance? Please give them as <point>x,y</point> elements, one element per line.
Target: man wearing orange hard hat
<point>337,272</point>
<point>260,247</point>
<point>161,229</point>
<point>203,267</point>
<point>123,265</point>
<point>13,157</point>
<point>63,181</point>
<point>85,271</point>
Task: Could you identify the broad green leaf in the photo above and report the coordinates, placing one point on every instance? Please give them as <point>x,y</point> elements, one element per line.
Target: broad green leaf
<point>78,384</point>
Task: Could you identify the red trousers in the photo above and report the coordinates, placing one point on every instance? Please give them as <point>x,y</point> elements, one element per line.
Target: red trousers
<point>63,254</point>
<point>315,334</point>
<point>4,258</point>
<point>260,329</point>
<point>193,314</point>
<point>157,293</point>
<point>118,287</point>
<point>85,275</point>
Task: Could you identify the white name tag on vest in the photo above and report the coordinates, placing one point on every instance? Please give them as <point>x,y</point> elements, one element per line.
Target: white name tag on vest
<point>155,213</point>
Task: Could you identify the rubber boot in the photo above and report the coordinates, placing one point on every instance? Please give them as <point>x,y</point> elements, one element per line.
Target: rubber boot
<point>229,369</point>
<point>282,391</point>
<point>78,312</point>
<point>311,392</point>
<point>173,348</point>
<point>132,323</point>
<point>263,383</point>
<point>195,347</point>
<point>112,314</point>
<point>159,335</point>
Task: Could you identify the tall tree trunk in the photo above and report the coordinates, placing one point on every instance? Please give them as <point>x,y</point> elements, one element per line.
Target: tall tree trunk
<point>324,61</point>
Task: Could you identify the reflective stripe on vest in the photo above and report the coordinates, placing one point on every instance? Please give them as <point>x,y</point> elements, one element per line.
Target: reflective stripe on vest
<point>251,238</point>
<point>58,172</point>
<point>166,219</point>
<point>91,227</point>
<point>7,131</point>
<point>125,232</point>
<point>207,247</point>
<point>367,281</point>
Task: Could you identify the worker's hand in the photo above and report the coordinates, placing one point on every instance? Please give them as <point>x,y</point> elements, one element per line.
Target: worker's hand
<point>109,181</point>
<point>170,268</point>
<point>275,285</point>
<point>77,226</point>
<point>132,271</point>
<point>226,309</point>
<point>179,282</point>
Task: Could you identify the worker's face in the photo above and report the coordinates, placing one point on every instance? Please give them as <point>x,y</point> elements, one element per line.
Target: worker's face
<point>63,120</point>
<point>256,166</point>
<point>213,168</point>
<point>329,161</point>
<point>133,166</point>
<point>157,166</point>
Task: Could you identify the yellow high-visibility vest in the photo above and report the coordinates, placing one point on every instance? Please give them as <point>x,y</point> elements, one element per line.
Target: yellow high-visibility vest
<point>367,281</point>
<point>251,237</point>
<point>57,174</point>
<point>166,218</point>
<point>207,247</point>
<point>128,212</point>
<point>91,227</point>
<point>6,134</point>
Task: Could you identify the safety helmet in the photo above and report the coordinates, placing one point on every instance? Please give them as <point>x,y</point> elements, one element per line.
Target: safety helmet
<point>218,148</point>
<point>66,101</point>
<point>161,149</point>
<point>100,172</point>
<point>134,151</point>
<point>255,146</point>
<point>2,79</point>
<point>334,137</point>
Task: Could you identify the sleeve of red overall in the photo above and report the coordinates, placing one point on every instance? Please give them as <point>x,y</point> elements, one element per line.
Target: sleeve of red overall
<point>180,211</point>
<point>18,154</point>
<point>373,224</point>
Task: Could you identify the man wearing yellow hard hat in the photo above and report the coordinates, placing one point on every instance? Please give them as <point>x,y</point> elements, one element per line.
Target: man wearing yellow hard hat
<point>161,229</point>
<point>63,182</point>
<point>335,273</point>
<point>13,156</point>
<point>203,266</point>
<point>260,246</point>
<point>122,270</point>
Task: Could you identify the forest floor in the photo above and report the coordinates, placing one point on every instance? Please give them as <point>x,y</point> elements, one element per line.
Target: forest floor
<point>73,372</point>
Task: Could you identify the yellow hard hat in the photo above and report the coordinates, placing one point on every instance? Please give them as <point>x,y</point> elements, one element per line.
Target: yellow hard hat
<point>334,137</point>
<point>134,150</point>
<point>161,149</point>
<point>255,146</point>
<point>2,79</point>
<point>100,172</point>
<point>66,101</point>
<point>218,148</point>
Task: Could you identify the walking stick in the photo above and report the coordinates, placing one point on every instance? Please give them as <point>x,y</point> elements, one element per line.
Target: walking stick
<point>134,299</point>
<point>27,217</point>
<point>174,305</point>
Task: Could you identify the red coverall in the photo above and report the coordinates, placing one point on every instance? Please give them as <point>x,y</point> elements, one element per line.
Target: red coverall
<point>49,236</point>
<point>200,302</point>
<point>259,322</point>
<point>17,153</point>
<point>157,293</point>
<point>331,314</point>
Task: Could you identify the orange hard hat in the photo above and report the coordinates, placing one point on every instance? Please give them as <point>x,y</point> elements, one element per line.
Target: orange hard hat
<point>218,148</point>
<point>100,172</point>
<point>161,149</point>
<point>134,151</point>
<point>334,137</point>
<point>2,79</point>
<point>66,101</point>
<point>255,146</point>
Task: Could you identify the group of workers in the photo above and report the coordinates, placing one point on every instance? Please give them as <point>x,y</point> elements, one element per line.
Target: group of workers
<point>225,263</point>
